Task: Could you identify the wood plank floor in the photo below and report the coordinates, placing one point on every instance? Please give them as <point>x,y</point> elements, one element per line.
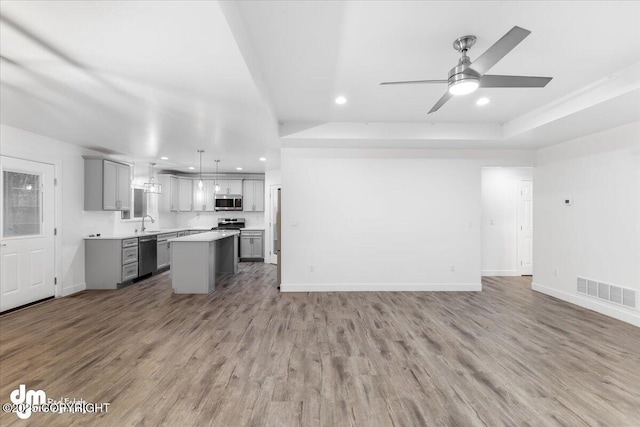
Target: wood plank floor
<point>248,355</point>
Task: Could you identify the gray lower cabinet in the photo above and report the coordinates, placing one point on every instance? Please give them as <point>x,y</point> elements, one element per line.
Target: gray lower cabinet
<point>164,249</point>
<point>252,245</point>
<point>110,263</point>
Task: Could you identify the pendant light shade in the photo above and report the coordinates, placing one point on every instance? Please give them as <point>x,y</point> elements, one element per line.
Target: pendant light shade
<point>200,182</point>
<point>217,185</point>
<point>152,186</point>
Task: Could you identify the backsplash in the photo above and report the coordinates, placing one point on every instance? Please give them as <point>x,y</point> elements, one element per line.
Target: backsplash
<point>210,219</point>
<point>109,223</point>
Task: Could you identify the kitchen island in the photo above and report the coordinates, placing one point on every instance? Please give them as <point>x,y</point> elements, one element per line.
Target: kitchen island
<point>197,259</point>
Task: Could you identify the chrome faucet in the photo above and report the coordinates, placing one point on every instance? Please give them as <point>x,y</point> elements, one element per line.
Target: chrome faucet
<point>152,221</point>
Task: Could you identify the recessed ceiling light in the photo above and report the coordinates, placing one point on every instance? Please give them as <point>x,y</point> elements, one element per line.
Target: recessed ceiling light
<point>238,168</point>
<point>341,100</point>
<point>164,158</point>
<point>191,168</point>
<point>263,159</point>
<point>482,101</point>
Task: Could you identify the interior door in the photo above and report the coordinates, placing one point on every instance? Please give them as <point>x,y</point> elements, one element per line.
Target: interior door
<point>279,235</point>
<point>27,240</point>
<point>525,228</point>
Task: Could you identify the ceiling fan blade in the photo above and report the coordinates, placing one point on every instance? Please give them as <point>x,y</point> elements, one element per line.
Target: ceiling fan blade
<point>489,80</point>
<point>496,52</point>
<point>447,96</point>
<point>412,82</point>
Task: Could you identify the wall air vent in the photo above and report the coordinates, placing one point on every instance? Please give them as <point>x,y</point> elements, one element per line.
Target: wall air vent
<point>616,294</point>
<point>582,285</point>
<point>592,288</point>
<point>606,292</point>
<point>603,291</point>
<point>629,298</point>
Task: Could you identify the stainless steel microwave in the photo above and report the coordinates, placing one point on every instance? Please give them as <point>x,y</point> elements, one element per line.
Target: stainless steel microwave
<point>228,202</point>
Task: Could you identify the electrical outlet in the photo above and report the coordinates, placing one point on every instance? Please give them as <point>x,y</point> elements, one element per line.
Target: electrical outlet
<point>453,267</point>
<point>555,273</point>
<point>311,268</point>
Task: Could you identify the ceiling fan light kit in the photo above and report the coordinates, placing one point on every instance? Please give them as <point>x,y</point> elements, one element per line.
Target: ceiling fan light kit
<point>467,76</point>
<point>462,79</point>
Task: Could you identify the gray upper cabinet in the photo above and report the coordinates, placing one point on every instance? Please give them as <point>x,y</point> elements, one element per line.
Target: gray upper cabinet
<point>253,195</point>
<point>174,194</point>
<point>230,186</point>
<point>124,187</point>
<point>107,185</point>
<point>186,194</point>
<point>203,198</point>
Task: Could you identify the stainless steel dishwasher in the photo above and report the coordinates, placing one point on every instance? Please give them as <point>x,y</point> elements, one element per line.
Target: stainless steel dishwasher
<point>148,261</point>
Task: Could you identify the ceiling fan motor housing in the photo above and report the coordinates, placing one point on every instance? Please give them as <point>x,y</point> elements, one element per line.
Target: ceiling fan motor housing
<point>462,71</point>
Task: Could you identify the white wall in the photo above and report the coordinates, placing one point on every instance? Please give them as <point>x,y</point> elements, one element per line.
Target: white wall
<point>69,170</point>
<point>598,236</point>
<point>500,220</point>
<point>384,219</point>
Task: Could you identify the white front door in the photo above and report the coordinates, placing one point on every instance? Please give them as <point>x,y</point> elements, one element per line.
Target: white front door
<point>525,228</point>
<point>27,242</point>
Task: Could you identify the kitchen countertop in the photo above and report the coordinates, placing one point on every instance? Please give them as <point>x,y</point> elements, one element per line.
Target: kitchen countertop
<point>146,233</point>
<point>157,232</point>
<point>209,236</point>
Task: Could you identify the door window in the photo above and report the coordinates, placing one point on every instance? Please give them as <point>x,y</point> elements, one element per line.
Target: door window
<point>22,204</point>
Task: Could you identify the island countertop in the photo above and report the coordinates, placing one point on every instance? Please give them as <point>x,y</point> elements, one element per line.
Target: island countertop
<point>122,236</point>
<point>209,236</point>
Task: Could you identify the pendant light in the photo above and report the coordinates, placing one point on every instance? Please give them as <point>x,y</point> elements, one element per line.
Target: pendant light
<point>200,182</point>
<point>152,186</point>
<point>217,186</point>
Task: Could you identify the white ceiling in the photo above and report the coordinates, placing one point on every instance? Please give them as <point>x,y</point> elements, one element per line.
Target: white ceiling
<point>142,79</point>
<point>310,52</point>
<point>150,79</point>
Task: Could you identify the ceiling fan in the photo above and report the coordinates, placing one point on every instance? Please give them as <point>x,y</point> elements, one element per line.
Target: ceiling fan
<point>468,76</point>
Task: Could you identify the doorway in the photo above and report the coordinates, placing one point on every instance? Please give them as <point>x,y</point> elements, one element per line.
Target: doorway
<point>507,221</point>
<point>525,227</point>
<point>27,232</point>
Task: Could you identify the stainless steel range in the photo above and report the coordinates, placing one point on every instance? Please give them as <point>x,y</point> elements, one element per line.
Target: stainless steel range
<point>229,224</point>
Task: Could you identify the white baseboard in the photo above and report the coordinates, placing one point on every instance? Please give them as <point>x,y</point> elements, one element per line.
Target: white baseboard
<point>508,273</point>
<point>591,304</point>
<point>74,289</point>
<point>380,287</point>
